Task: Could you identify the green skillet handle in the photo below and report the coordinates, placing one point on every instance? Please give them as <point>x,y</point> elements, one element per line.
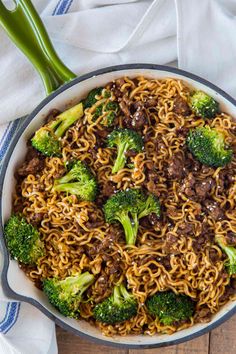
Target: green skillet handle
<point>27,31</point>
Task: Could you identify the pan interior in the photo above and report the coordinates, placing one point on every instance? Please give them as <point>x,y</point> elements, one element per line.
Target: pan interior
<point>17,283</point>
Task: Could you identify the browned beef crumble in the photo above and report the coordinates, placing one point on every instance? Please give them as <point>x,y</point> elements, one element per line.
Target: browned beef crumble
<point>231,238</point>
<point>176,166</point>
<point>171,244</point>
<point>203,315</point>
<point>181,106</point>
<point>186,229</point>
<point>34,163</point>
<point>150,102</point>
<point>213,209</point>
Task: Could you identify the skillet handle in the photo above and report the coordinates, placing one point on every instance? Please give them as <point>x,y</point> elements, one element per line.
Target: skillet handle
<point>24,26</point>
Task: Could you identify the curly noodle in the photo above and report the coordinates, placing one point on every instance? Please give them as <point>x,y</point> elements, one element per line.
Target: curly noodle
<point>77,238</point>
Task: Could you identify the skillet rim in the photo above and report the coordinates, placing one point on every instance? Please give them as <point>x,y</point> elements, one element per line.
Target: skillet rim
<point>5,285</point>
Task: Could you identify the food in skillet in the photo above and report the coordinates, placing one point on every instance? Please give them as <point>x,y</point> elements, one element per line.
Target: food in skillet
<point>124,211</point>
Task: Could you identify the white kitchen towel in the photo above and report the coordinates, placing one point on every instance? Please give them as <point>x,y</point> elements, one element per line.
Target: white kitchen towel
<point>90,34</point>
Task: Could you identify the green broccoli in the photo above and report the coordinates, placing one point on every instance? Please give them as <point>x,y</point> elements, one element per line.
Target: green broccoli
<point>109,110</point>
<point>119,307</point>
<point>23,240</point>
<point>47,138</point>
<point>91,99</point>
<point>124,140</point>
<point>169,307</point>
<point>79,181</point>
<point>127,207</point>
<point>208,146</point>
<point>204,105</point>
<point>66,294</point>
<point>230,252</point>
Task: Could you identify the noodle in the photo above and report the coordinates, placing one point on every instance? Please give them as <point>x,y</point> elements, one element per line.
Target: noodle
<point>77,238</point>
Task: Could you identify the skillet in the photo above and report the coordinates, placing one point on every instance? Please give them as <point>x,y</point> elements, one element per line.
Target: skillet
<point>64,89</point>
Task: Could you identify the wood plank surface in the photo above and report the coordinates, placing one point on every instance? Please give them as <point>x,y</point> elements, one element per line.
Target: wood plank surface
<point>196,346</point>
<point>221,340</point>
<point>68,343</point>
<point>71,344</point>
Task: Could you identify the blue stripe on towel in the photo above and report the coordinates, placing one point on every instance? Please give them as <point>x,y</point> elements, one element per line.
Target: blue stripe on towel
<point>62,7</point>
<point>10,318</point>
<point>10,131</point>
<point>13,308</point>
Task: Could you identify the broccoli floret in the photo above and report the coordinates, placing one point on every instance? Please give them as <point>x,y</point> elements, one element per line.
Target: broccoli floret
<point>23,240</point>
<point>230,264</point>
<point>109,110</point>
<point>124,140</point>
<point>127,207</point>
<point>79,181</point>
<point>66,294</point>
<point>47,138</point>
<point>169,307</point>
<point>119,307</point>
<point>204,105</point>
<point>91,99</point>
<point>208,146</point>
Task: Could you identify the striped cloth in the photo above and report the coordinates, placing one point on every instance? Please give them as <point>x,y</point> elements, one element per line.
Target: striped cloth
<point>16,319</point>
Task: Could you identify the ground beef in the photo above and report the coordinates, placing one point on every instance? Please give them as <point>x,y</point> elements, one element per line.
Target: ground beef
<point>165,261</point>
<point>151,184</point>
<point>229,291</point>
<point>153,188</point>
<point>204,187</point>
<point>226,178</point>
<point>153,219</point>
<point>171,212</point>
<point>186,229</point>
<point>213,209</point>
<point>214,255</point>
<point>31,167</point>
<point>37,218</point>
<point>114,235</point>
<point>176,166</point>
<point>188,185</point>
<point>115,88</point>
<point>197,190</point>
<point>101,288</point>
<point>130,153</point>
<point>135,116</point>
<point>125,108</point>
<point>107,189</point>
<point>102,133</point>
<point>231,238</point>
<point>181,106</point>
<point>150,102</point>
<point>139,119</point>
<point>183,131</point>
<point>115,267</point>
<point>171,244</point>
<point>201,241</point>
<point>203,315</point>
<point>233,283</point>
<point>148,135</point>
<point>34,163</point>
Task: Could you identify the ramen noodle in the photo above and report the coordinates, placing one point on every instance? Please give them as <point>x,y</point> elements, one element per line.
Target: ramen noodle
<point>174,252</point>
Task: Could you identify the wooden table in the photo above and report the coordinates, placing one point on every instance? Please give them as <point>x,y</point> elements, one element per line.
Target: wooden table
<point>221,340</point>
